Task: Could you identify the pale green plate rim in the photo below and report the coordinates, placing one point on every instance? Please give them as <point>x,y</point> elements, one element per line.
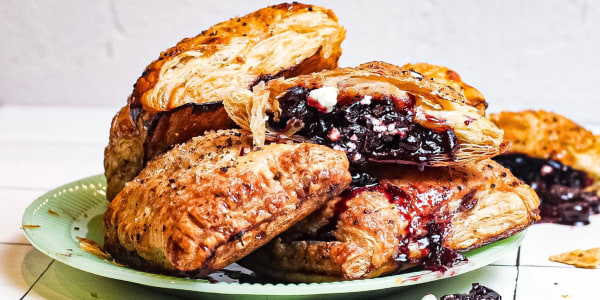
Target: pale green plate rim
<point>63,214</point>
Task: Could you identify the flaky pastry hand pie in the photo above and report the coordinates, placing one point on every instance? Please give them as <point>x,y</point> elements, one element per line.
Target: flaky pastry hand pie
<point>409,218</point>
<point>179,95</point>
<point>449,77</point>
<point>558,158</point>
<point>376,113</point>
<point>210,201</point>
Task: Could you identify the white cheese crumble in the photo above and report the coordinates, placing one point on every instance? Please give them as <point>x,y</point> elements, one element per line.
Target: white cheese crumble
<point>546,169</point>
<point>325,96</point>
<point>366,100</point>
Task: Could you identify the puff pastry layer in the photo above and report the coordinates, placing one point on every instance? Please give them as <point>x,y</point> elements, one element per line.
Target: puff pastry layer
<point>421,121</point>
<point>409,218</point>
<point>210,201</point>
<point>449,77</point>
<point>179,95</point>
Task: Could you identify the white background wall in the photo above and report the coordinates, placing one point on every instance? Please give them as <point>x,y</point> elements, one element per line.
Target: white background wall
<point>520,54</point>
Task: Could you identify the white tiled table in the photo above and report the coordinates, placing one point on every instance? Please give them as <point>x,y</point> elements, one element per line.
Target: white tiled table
<point>44,147</point>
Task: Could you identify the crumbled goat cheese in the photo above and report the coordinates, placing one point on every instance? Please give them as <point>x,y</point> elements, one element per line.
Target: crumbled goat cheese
<point>325,96</point>
<point>366,100</point>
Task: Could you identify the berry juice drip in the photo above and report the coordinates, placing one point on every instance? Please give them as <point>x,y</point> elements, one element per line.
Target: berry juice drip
<point>426,230</point>
<point>427,227</point>
<point>560,188</point>
<point>377,130</point>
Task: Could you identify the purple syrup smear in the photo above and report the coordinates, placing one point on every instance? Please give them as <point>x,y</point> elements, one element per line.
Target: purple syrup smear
<point>560,188</point>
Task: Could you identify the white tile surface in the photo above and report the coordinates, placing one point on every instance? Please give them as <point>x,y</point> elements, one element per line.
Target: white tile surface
<point>557,283</point>
<point>544,240</point>
<point>20,266</point>
<point>16,200</point>
<point>510,259</point>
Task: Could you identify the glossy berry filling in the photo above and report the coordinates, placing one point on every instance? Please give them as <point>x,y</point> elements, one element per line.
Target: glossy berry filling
<point>560,188</point>
<point>370,130</point>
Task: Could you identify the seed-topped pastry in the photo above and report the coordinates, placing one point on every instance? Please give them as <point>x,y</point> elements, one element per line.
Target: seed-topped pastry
<point>212,200</point>
<point>450,78</point>
<point>179,95</point>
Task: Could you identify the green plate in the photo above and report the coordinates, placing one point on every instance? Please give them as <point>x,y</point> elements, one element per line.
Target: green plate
<point>53,223</point>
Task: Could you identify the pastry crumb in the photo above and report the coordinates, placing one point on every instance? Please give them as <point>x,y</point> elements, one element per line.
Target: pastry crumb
<point>579,258</point>
<point>93,248</point>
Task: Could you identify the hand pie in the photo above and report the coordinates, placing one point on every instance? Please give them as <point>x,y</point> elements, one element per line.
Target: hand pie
<point>409,218</point>
<point>450,78</point>
<point>376,113</point>
<point>558,158</point>
<point>210,201</point>
<point>179,95</point>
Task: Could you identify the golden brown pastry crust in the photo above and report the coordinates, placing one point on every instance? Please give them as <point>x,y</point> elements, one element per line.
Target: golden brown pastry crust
<point>547,135</point>
<point>186,84</point>
<point>450,78</point>
<point>482,202</point>
<point>208,202</point>
<point>438,106</point>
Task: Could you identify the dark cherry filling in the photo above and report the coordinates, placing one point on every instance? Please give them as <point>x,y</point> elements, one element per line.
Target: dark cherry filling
<point>377,130</point>
<point>439,257</point>
<point>560,188</point>
<point>427,226</point>
<point>478,292</point>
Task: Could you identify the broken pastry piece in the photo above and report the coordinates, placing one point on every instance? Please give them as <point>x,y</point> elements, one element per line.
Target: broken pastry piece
<point>376,113</point>
<point>180,94</point>
<point>588,259</point>
<point>212,200</point>
<point>558,158</point>
<point>408,218</point>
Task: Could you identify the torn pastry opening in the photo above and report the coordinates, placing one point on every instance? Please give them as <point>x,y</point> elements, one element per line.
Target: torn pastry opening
<point>374,113</point>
